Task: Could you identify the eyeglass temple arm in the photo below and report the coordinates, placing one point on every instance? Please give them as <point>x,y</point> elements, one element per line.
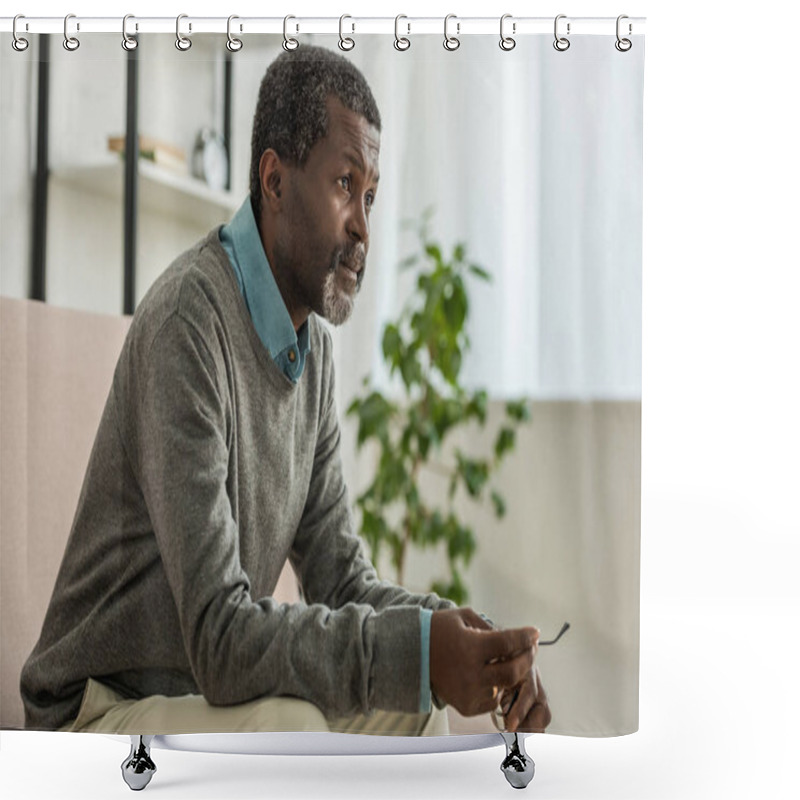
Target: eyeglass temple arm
<point>564,629</point>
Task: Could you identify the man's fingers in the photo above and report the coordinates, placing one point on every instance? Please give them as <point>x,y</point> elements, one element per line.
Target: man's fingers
<point>541,695</point>
<point>500,645</point>
<point>537,720</point>
<point>507,674</point>
<point>539,716</point>
<point>490,703</point>
<point>474,620</point>
<point>522,705</point>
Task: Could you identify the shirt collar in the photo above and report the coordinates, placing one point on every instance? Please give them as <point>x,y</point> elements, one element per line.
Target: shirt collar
<point>242,242</point>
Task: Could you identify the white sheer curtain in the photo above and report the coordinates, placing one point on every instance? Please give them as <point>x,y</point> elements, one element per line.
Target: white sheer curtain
<point>541,179</point>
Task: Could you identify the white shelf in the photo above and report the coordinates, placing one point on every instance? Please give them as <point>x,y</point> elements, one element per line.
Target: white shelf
<point>161,191</point>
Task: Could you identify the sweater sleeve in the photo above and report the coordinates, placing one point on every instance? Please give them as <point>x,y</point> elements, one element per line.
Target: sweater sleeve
<point>329,560</point>
<point>345,659</point>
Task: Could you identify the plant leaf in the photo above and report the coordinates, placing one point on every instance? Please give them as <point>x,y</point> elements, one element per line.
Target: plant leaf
<point>499,504</point>
<point>519,410</point>
<point>374,413</point>
<point>392,343</point>
<point>480,272</point>
<point>505,442</point>
<point>478,405</point>
<point>434,252</point>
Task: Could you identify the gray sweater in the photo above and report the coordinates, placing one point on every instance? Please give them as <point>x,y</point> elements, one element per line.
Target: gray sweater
<point>208,470</point>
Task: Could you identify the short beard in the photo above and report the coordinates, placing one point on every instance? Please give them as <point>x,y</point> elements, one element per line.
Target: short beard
<point>337,307</point>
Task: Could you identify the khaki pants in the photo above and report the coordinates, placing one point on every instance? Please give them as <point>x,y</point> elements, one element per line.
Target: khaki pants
<point>104,711</point>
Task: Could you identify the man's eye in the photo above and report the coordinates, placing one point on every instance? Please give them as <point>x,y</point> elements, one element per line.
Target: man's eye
<point>345,181</point>
<point>370,200</point>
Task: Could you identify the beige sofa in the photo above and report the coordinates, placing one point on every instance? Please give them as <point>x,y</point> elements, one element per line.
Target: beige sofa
<point>56,366</point>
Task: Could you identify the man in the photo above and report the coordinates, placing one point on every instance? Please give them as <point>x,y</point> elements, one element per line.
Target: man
<point>217,458</point>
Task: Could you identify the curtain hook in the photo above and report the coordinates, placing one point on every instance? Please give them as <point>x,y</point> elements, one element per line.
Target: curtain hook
<point>451,42</point>
<point>561,43</point>
<point>183,43</point>
<point>70,42</point>
<point>18,43</point>
<point>289,43</point>
<point>623,45</point>
<point>400,42</point>
<point>507,42</point>
<point>233,44</point>
<point>345,43</point>
<point>128,42</point>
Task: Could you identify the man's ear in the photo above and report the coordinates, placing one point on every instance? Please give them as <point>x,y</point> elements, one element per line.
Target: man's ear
<point>271,173</point>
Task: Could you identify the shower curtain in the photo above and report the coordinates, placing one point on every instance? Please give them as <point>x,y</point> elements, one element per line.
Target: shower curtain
<point>510,189</point>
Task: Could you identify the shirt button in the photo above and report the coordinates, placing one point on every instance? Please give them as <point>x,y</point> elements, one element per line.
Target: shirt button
<point>292,356</point>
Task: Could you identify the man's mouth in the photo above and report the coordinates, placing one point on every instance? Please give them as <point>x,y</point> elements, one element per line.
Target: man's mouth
<point>351,269</point>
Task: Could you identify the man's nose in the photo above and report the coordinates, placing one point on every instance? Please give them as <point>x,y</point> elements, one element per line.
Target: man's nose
<point>358,224</point>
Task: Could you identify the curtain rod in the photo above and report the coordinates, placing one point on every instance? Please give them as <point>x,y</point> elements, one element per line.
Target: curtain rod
<point>406,26</point>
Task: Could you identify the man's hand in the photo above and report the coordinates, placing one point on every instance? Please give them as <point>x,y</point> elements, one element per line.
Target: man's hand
<point>530,712</point>
<point>471,664</point>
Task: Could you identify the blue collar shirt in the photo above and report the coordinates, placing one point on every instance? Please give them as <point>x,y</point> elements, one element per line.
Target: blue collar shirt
<point>242,243</point>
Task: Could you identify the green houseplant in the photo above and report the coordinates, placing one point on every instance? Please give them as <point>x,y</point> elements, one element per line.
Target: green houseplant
<point>426,345</point>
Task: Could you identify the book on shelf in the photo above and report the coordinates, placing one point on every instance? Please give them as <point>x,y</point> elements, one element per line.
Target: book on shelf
<point>162,153</point>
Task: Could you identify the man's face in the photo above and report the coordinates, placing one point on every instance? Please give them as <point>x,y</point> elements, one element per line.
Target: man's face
<point>322,241</point>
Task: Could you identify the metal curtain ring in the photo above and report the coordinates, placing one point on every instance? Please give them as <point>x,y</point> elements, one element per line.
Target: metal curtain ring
<point>18,43</point>
<point>233,44</point>
<point>506,42</point>
<point>345,42</point>
<point>289,43</point>
<point>451,42</point>
<point>182,42</point>
<point>400,42</point>
<point>70,42</point>
<point>623,45</point>
<point>128,42</point>
<point>561,44</point>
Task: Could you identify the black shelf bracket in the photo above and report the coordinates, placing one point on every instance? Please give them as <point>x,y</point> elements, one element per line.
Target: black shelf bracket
<point>39,226</point>
<point>131,179</point>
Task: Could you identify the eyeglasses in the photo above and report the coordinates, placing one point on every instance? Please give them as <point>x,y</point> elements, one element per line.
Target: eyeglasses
<point>498,716</point>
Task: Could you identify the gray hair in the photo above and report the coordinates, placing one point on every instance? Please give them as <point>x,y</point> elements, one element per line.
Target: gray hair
<point>291,115</point>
